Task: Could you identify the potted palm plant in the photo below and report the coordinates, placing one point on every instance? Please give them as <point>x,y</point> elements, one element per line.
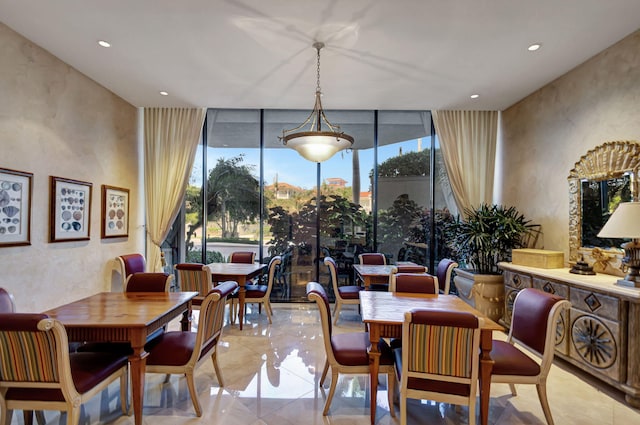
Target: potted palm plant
<point>486,236</point>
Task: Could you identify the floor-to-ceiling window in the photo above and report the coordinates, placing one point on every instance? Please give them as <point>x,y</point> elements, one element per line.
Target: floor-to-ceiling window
<point>250,192</point>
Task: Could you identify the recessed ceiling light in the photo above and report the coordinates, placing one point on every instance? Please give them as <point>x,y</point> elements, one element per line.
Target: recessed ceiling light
<point>104,43</point>
<point>534,47</point>
<point>164,93</point>
<point>475,96</point>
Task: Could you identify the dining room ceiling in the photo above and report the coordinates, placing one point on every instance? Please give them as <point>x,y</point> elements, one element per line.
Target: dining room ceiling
<point>379,54</point>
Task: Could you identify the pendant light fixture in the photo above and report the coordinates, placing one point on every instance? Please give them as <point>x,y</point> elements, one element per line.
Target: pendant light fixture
<point>309,139</point>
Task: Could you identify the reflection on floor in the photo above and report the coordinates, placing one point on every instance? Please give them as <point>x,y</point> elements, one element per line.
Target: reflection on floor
<point>272,373</point>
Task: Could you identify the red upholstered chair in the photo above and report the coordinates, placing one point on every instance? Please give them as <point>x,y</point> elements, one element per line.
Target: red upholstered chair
<point>373,258</point>
<point>444,270</point>
<point>129,264</point>
<point>41,374</point>
<point>347,352</point>
<point>346,294</point>
<point>410,269</point>
<point>244,257</point>
<point>182,352</point>
<point>413,282</point>
<point>439,359</point>
<point>261,293</point>
<point>148,282</point>
<point>533,326</point>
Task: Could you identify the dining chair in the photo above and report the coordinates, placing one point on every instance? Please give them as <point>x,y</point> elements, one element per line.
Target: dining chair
<point>179,352</point>
<point>261,293</point>
<point>129,264</point>
<point>444,271</point>
<point>347,352</point>
<point>8,305</point>
<point>408,268</point>
<point>345,294</point>
<point>533,326</point>
<point>439,359</point>
<point>413,282</point>
<point>244,257</point>
<point>148,282</point>
<point>194,277</point>
<point>372,258</point>
<point>37,372</point>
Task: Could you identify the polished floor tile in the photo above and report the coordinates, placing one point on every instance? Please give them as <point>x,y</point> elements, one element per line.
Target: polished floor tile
<point>271,375</point>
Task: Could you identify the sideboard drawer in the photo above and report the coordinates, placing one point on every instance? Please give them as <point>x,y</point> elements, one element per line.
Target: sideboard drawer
<point>559,289</point>
<point>596,303</point>
<point>517,280</point>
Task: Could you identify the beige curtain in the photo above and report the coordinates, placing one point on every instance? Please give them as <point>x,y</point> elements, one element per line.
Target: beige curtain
<point>468,142</point>
<point>171,136</point>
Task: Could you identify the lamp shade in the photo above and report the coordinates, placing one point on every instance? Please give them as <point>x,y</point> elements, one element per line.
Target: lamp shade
<point>623,223</point>
<point>318,146</point>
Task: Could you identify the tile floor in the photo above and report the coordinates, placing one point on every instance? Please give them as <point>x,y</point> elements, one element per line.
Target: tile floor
<point>271,374</point>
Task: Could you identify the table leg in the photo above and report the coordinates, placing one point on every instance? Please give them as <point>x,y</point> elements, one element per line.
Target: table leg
<point>137,365</point>
<point>185,322</point>
<point>374,367</point>
<point>486,365</point>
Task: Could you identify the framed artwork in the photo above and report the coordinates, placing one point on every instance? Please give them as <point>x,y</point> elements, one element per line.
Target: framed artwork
<point>115,212</point>
<point>70,215</point>
<point>15,207</point>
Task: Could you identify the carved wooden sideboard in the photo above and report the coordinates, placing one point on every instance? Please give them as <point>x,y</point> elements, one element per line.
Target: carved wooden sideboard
<point>601,332</point>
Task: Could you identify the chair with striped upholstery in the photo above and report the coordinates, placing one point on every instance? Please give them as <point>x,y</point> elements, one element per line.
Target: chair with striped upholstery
<point>37,372</point>
<point>181,352</point>
<point>194,277</point>
<point>439,359</point>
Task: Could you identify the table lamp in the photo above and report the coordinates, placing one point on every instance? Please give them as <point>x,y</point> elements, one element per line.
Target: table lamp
<point>625,223</point>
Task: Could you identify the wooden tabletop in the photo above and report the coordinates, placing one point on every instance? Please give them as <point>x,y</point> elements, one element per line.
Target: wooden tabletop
<point>235,269</point>
<point>373,270</point>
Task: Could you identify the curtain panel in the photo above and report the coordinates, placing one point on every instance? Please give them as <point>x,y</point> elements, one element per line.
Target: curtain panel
<point>171,137</point>
<point>468,142</point>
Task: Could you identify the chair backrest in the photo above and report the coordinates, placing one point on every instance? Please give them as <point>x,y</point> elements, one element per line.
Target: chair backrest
<point>148,282</point>
<point>316,292</point>
<point>244,257</point>
<point>409,269</point>
<point>194,277</point>
<point>444,270</point>
<point>211,319</point>
<point>34,355</point>
<point>533,322</point>
<point>272,269</point>
<point>7,303</point>
<point>130,264</point>
<point>333,273</point>
<point>441,346</point>
<point>422,283</point>
<point>373,258</point>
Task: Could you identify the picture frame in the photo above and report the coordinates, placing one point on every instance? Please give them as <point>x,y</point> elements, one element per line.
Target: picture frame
<point>15,207</point>
<point>115,212</point>
<point>70,210</point>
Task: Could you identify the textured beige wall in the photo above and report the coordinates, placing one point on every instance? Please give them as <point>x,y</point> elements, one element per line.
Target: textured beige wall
<point>56,121</point>
<point>546,133</point>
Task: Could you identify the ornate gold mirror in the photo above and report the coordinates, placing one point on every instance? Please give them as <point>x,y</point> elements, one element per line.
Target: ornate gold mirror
<point>608,173</point>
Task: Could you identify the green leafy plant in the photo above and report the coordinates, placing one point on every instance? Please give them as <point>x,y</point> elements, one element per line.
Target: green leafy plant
<point>487,236</point>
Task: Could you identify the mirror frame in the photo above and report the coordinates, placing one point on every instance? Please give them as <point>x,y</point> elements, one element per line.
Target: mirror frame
<point>607,161</point>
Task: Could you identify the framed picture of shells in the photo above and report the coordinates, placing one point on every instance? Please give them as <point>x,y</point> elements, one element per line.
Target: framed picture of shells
<point>70,216</point>
<point>15,207</point>
<point>115,212</point>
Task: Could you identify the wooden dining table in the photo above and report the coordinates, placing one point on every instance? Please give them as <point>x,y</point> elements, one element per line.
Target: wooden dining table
<point>383,314</point>
<point>124,317</point>
<point>238,272</point>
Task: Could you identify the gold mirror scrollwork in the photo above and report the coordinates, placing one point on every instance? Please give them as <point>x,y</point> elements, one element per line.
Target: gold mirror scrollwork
<point>607,161</point>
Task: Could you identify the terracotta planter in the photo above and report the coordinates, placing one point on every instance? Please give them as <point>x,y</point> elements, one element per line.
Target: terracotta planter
<point>484,292</point>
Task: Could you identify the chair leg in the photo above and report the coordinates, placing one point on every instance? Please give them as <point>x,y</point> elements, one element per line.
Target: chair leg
<point>512,387</point>
<point>27,415</point>
<point>194,394</point>
<point>73,416</point>
<point>216,367</point>
<point>40,419</point>
<point>267,309</point>
<point>336,312</point>
<point>472,411</point>
<point>403,408</point>
<point>542,395</point>
<point>124,394</point>
<point>332,390</point>
<point>324,372</point>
